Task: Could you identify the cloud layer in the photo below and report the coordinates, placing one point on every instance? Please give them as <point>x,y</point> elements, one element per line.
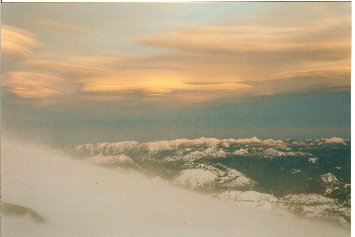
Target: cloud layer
<point>31,85</point>
<point>17,42</point>
<point>188,63</point>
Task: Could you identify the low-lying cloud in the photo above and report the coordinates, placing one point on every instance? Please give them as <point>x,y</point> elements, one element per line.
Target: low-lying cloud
<point>77,198</point>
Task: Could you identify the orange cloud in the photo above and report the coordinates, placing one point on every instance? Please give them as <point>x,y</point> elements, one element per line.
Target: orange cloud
<point>110,79</point>
<point>54,26</point>
<point>208,62</point>
<point>152,83</point>
<point>31,85</point>
<point>251,54</point>
<point>17,42</point>
<point>318,36</point>
<point>67,68</point>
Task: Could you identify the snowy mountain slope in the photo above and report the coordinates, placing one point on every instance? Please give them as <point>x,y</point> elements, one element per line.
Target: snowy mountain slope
<point>75,197</point>
<point>281,168</point>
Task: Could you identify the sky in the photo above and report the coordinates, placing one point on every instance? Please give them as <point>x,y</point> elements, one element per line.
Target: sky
<point>103,72</point>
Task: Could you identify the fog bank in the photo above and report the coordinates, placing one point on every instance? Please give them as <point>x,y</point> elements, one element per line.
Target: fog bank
<point>77,198</point>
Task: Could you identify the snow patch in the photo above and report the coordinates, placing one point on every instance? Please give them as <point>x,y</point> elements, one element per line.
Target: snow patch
<point>271,152</point>
<point>313,160</point>
<point>234,178</point>
<point>246,140</point>
<point>240,152</point>
<point>328,178</point>
<point>335,140</point>
<point>196,178</point>
<point>294,171</point>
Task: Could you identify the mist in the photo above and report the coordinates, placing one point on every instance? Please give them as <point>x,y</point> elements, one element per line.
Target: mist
<point>74,197</point>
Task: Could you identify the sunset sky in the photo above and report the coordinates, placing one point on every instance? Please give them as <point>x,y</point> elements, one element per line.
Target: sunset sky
<point>77,73</point>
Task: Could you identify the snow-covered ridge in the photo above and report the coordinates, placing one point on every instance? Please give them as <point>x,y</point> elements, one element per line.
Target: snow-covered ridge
<point>203,176</point>
<point>155,146</point>
<point>273,147</point>
<point>332,184</point>
<point>255,171</point>
<point>271,152</point>
<point>335,140</point>
<point>195,178</point>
